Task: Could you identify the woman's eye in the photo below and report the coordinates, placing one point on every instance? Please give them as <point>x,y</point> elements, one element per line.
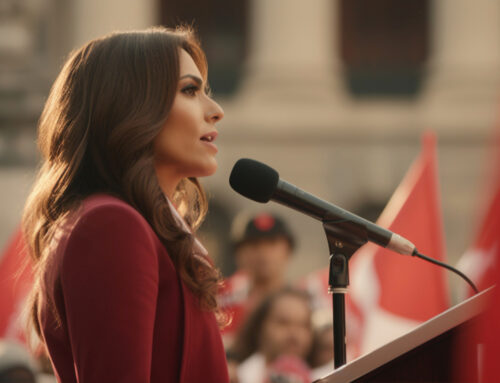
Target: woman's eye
<point>190,90</point>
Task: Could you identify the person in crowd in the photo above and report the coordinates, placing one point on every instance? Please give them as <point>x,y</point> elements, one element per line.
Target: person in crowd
<point>124,292</point>
<point>276,339</point>
<point>263,247</point>
<point>321,357</point>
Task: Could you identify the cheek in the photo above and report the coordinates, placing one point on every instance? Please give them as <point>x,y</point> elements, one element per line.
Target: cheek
<point>184,117</point>
<point>175,138</point>
<point>163,148</point>
<point>306,337</point>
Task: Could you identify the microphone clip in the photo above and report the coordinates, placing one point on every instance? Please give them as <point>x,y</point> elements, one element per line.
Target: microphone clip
<point>344,239</point>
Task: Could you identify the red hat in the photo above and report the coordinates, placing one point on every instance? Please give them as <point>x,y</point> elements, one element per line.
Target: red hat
<point>263,226</point>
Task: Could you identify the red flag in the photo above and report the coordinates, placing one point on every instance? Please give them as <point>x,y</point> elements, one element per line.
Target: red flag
<point>478,344</point>
<point>480,261</point>
<point>15,283</point>
<point>398,292</point>
<point>481,264</point>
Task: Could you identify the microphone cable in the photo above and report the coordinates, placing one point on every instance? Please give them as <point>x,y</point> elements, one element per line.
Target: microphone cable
<point>442,264</point>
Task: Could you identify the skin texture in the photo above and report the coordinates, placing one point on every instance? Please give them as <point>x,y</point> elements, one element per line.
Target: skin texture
<point>265,260</point>
<point>179,151</point>
<point>287,329</point>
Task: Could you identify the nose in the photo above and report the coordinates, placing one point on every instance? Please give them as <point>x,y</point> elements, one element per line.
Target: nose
<point>215,112</point>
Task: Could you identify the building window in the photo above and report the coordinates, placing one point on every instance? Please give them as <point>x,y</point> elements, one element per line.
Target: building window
<point>384,45</point>
<point>221,26</point>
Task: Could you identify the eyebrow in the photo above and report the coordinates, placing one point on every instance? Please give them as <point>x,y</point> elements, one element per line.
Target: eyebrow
<point>196,79</point>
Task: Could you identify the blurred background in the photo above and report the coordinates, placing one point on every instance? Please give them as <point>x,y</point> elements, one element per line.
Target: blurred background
<point>334,94</point>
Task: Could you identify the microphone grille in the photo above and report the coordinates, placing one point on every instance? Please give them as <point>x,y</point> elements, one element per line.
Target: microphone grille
<point>254,180</point>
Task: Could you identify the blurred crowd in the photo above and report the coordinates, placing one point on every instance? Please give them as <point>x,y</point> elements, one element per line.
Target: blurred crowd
<point>19,365</point>
<point>278,331</point>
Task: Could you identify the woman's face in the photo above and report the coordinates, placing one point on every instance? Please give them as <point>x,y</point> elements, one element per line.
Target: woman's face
<point>185,146</point>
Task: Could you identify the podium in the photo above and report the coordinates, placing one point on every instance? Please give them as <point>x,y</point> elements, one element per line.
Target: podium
<point>426,354</point>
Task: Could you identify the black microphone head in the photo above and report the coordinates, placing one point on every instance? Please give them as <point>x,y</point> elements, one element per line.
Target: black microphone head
<point>254,180</point>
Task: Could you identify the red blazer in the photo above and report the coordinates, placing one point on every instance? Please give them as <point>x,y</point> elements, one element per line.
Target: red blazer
<point>126,316</point>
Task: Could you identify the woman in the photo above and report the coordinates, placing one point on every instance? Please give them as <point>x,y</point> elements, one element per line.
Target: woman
<point>124,292</point>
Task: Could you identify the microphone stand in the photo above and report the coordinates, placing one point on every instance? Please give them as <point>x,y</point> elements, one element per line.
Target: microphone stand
<point>344,239</point>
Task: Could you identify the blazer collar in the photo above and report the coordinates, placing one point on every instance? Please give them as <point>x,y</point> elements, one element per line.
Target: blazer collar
<point>198,248</point>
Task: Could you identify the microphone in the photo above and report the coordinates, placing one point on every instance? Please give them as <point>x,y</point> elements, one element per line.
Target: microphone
<point>261,183</point>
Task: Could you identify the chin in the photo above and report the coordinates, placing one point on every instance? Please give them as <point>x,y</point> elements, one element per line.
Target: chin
<point>211,171</point>
<point>207,170</point>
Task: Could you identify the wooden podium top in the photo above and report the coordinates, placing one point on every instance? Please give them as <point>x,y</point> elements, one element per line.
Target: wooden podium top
<point>425,332</point>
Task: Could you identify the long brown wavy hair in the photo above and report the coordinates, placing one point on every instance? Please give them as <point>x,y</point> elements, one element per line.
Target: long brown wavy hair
<point>96,135</point>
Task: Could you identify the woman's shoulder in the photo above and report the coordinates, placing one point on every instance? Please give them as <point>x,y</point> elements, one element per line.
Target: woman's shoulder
<point>104,223</point>
<point>105,202</point>
<point>104,213</point>
<point>106,228</point>
<point>98,206</point>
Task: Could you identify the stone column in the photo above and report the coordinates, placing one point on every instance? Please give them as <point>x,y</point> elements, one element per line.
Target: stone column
<point>23,85</point>
<point>464,70</point>
<point>292,63</point>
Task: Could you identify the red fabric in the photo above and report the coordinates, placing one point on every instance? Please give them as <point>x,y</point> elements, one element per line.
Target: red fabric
<point>15,283</point>
<point>126,315</point>
<point>481,264</point>
<point>488,234</point>
<point>411,287</point>
<point>485,331</point>
<point>488,238</point>
<point>490,333</point>
<point>487,244</point>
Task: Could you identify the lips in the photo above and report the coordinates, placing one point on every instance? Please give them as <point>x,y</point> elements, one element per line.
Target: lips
<point>209,137</point>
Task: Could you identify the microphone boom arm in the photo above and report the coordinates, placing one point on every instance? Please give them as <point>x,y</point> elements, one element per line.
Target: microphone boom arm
<point>291,196</point>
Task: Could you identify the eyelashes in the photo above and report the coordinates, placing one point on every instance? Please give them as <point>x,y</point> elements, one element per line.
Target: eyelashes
<point>192,90</point>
